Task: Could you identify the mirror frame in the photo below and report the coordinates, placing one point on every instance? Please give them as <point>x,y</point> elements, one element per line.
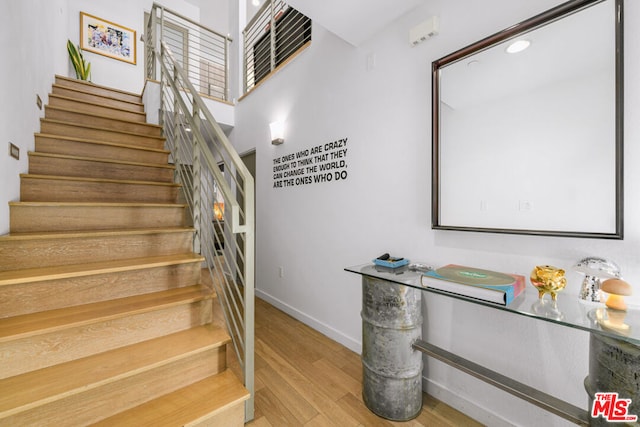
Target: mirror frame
<point>537,21</point>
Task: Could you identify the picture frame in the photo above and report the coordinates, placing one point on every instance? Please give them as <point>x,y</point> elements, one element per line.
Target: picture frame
<point>14,151</point>
<point>106,38</point>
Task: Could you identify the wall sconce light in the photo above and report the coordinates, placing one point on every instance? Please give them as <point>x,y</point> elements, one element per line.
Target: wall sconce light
<point>277,133</point>
<point>218,209</point>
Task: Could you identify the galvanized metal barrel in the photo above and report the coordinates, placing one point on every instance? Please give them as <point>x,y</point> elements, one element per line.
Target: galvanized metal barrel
<point>614,367</point>
<point>392,370</point>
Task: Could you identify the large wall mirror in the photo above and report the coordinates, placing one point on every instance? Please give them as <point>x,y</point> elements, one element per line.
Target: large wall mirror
<point>530,141</point>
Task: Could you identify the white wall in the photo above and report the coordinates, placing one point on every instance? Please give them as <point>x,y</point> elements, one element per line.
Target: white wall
<point>104,70</point>
<point>215,15</point>
<point>127,13</point>
<point>252,9</point>
<point>314,231</point>
<point>34,50</point>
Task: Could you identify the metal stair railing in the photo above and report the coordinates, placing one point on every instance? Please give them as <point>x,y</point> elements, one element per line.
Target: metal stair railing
<point>219,191</point>
<point>202,52</point>
<point>274,34</point>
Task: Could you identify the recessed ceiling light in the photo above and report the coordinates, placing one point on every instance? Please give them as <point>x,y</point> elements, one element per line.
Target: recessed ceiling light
<point>255,2</point>
<point>518,46</point>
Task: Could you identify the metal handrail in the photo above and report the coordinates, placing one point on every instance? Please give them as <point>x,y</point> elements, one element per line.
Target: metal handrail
<point>264,49</point>
<point>261,11</point>
<point>219,190</point>
<point>195,23</point>
<point>202,51</point>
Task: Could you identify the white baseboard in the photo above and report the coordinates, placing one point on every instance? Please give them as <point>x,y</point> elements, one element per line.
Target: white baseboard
<point>478,413</point>
<point>323,328</point>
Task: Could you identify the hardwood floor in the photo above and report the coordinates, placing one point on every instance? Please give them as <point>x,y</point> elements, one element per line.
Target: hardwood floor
<point>305,379</point>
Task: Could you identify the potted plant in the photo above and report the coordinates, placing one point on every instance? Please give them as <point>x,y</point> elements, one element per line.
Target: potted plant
<point>82,67</point>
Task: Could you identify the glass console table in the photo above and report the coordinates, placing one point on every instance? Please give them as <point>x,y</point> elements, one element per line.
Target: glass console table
<point>614,357</point>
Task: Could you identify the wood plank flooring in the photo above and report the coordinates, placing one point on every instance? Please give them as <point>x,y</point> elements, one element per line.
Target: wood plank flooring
<point>305,379</point>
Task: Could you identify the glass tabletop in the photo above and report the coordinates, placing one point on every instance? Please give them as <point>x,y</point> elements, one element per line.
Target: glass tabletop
<point>567,310</point>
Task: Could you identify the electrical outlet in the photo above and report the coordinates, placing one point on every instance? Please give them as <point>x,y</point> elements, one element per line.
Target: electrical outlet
<point>525,205</point>
<point>371,61</point>
<point>281,272</point>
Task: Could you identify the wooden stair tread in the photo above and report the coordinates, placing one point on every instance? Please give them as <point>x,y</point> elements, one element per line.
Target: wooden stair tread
<point>97,204</point>
<point>94,85</point>
<point>86,102</point>
<point>29,275</point>
<point>89,114</point>
<point>185,406</point>
<point>100,128</point>
<point>96,233</point>
<point>98,180</point>
<point>106,143</point>
<point>48,321</point>
<point>99,160</point>
<point>35,388</point>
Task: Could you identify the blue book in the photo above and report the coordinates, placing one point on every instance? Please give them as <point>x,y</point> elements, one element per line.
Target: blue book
<point>485,285</point>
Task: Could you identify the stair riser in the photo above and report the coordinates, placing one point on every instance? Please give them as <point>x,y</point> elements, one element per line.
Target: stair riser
<point>75,131</point>
<point>101,122</point>
<point>53,145</point>
<point>199,406</point>
<point>99,403</point>
<point>51,190</point>
<point>19,254</point>
<point>25,298</point>
<point>233,416</point>
<point>42,165</point>
<point>97,90</point>
<point>97,99</point>
<point>105,111</point>
<point>24,218</point>
<point>36,352</point>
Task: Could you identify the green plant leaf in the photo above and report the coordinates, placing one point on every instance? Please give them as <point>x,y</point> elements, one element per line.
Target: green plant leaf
<point>80,65</point>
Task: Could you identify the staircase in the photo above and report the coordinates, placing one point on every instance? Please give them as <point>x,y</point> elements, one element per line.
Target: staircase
<point>104,318</point>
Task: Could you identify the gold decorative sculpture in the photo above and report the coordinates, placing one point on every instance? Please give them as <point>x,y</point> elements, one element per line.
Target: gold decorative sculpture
<point>548,279</point>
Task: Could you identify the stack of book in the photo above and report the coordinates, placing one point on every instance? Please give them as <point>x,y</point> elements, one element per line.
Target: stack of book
<point>475,283</point>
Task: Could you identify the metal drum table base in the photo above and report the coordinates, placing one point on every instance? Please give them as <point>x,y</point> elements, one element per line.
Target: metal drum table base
<point>614,366</point>
<point>392,369</point>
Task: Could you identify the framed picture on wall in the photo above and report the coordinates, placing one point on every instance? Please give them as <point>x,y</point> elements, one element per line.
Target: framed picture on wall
<point>106,38</point>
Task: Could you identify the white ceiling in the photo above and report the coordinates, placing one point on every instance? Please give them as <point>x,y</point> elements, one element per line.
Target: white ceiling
<point>355,21</point>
